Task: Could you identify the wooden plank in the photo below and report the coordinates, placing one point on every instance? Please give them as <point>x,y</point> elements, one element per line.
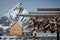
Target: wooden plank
<point>47,14</point>
<point>48,9</point>
<point>36,15</point>
<point>44,12</point>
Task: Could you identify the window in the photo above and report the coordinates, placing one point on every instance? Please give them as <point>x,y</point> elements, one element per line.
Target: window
<point>16,30</point>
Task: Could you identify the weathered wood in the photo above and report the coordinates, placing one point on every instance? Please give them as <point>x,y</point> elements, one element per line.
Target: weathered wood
<point>48,9</point>
<point>45,14</point>
<point>35,14</point>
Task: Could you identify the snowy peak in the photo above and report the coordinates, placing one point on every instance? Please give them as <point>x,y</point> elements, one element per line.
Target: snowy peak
<point>11,15</point>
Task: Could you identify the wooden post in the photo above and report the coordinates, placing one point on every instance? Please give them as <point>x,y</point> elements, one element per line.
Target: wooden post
<point>57,34</point>
<point>48,9</point>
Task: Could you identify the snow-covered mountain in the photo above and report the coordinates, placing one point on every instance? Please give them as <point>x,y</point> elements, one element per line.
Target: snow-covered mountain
<point>11,16</point>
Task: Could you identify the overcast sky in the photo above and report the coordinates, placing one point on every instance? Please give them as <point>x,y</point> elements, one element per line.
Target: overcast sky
<point>29,5</point>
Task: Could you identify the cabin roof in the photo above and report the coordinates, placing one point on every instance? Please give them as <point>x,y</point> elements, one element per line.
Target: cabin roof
<point>15,23</point>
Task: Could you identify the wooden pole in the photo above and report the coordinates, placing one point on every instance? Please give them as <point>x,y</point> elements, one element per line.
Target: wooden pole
<point>57,34</point>
<point>48,9</point>
<point>31,14</point>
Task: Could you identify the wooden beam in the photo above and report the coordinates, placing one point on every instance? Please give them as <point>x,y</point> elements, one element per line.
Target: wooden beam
<point>48,9</point>
<point>44,13</point>
<point>47,14</point>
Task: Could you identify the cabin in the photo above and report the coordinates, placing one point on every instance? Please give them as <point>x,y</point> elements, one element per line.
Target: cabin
<point>16,29</point>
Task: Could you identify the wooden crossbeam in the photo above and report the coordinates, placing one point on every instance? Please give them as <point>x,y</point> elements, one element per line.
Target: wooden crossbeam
<point>44,13</point>
<point>47,14</point>
<point>48,9</point>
